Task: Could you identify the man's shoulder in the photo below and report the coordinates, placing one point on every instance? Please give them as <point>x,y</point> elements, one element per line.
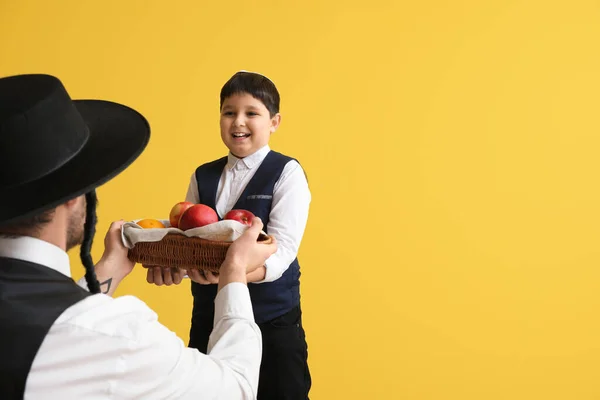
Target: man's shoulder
<point>124,317</point>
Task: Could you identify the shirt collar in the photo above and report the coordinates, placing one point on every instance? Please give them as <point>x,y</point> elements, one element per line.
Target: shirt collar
<point>37,251</point>
<point>250,161</point>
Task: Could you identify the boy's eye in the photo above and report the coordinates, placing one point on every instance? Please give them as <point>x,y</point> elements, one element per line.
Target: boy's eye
<point>228,113</point>
<point>252,113</point>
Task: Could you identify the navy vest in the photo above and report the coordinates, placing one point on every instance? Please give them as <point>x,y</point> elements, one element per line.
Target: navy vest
<point>32,297</point>
<point>269,299</point>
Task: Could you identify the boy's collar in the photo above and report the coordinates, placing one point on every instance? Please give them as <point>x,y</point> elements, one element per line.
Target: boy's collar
<point>249,161</point>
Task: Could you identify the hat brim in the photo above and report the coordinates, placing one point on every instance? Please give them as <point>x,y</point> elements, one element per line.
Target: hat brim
<point>118,135</point>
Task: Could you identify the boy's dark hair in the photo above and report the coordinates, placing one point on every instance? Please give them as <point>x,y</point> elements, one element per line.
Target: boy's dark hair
<point>256,85</point>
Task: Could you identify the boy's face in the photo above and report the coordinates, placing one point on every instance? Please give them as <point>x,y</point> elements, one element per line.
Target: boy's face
<point>246,125</point>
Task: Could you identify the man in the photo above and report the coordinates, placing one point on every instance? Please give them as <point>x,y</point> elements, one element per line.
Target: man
<point>60,341</point>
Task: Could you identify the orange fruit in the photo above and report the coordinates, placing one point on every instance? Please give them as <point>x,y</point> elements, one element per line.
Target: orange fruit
<point>150,223</point>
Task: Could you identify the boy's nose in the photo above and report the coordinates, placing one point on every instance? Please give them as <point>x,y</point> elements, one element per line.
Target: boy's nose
<point>239,121</point>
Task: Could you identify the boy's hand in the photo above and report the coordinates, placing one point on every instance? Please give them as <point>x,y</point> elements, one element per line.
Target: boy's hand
<point>173,276</point>
<point>203,277</point>
<point>164,276</point>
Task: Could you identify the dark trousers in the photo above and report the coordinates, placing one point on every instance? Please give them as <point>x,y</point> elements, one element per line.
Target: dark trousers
<point>284,373</point>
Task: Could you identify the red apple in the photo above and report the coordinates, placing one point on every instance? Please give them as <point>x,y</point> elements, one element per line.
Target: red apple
<point>243,216</point>
<point>197,216</point>
<point>176,212</point>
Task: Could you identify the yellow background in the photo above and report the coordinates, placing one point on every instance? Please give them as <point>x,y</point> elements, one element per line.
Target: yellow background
<point>452,152</point>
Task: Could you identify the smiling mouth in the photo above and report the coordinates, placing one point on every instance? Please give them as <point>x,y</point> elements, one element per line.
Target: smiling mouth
<point>240,135</point>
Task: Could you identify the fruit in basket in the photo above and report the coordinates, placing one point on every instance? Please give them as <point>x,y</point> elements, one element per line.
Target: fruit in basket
<point>150,223</point>
<point>243,216</point>
<point>176,212</point>
<point>197,216</point>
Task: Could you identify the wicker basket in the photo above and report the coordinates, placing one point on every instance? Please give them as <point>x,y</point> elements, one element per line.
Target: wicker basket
<point>179,251</point>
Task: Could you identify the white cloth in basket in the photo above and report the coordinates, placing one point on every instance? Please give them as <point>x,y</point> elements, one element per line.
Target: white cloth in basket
<point>225,230</point>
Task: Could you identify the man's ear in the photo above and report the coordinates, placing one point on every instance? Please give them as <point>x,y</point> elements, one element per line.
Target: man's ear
<point>275,121</point>
<point>73,202</point>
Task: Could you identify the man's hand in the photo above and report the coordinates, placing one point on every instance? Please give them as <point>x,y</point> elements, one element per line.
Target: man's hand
<point>114,264</point>
<point>245,255</point>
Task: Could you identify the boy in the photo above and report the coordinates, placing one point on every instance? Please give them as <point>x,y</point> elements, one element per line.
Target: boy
<point>273,187</point>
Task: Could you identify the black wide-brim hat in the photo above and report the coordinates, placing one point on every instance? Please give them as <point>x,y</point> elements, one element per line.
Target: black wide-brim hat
<point>53,148</point>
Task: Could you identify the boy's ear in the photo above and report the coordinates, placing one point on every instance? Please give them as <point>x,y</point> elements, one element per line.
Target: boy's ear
<point>275,121</point>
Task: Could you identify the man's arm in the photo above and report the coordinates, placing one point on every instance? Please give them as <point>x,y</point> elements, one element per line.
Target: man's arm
<point>157,364</point>
<point>114,265</point>
<point>127,353</point>
<point>160,366</point>
<point>235,346</point>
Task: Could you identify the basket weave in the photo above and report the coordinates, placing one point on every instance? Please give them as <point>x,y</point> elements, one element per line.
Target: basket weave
<point>178,251</point>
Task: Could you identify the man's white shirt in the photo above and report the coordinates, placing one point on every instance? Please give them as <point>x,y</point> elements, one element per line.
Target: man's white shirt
<point>115,348</point>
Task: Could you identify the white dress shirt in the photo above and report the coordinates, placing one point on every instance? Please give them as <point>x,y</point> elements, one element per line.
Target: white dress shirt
<point>105,348</point>
<point>289,210</point>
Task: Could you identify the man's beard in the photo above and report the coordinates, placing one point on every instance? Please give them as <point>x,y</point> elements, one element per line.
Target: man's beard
<point>75,227</point>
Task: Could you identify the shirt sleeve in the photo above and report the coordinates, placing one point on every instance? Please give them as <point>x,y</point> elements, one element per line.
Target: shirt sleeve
<point>288,218</point>
<point>192,192</point>
<point>115,348</point>
<point>160,366</point>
